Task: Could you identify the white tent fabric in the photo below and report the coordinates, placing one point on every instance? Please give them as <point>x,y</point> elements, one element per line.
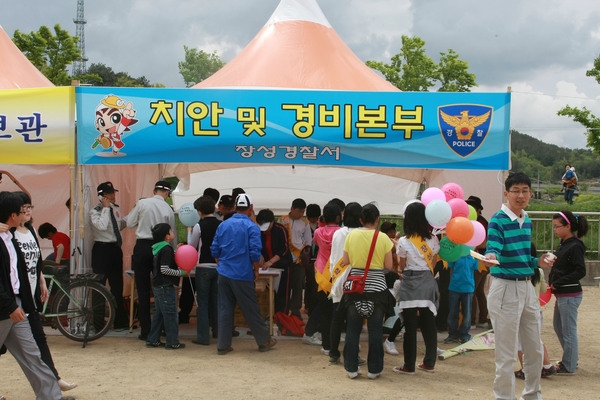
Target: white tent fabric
<point>275,187</point>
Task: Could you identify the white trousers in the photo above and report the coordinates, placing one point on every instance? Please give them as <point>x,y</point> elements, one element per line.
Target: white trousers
<point>514,310</point>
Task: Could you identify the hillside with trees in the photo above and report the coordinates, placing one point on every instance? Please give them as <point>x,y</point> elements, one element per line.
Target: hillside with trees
<point>546,162</point>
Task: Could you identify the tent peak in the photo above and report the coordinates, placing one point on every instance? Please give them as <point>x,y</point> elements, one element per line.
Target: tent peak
<point>298,10</point>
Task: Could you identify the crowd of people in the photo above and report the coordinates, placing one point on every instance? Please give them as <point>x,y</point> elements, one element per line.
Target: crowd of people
<point>340,266</point>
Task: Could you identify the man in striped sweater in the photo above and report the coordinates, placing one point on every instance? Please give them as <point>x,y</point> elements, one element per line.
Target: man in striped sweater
<point>512,303</point>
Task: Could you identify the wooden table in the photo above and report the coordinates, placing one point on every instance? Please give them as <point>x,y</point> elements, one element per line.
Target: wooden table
<point>268,275</point>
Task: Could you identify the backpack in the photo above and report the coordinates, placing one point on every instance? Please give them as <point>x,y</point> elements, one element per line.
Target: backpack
<point>289,324</point>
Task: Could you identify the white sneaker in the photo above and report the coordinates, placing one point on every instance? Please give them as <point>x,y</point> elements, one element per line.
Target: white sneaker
<point>373,376</point>
<point>352,375</point>
<point>323,351</point>
<point>390,347</point>
<point>311,340</point>
<point>440,351</point>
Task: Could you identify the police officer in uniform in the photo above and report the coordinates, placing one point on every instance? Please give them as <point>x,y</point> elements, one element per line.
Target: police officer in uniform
<point>107,256</point>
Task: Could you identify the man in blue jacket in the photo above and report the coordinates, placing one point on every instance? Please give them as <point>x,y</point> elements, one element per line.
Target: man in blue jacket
<point>237,250</point>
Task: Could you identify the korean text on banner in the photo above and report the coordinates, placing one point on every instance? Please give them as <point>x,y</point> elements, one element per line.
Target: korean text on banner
<point>37,126</point>
<point>334,128</point>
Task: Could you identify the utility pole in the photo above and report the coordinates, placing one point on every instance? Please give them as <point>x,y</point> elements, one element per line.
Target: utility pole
<point>79,67</point>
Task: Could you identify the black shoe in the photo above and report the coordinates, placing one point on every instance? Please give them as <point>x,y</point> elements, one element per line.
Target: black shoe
<point>175,346</point>
<point>155,344</point>
<point>200,342</point>
<point>143,336</point>
<point>222,352</point>
<point>120,327</point>
<point>235,333</point>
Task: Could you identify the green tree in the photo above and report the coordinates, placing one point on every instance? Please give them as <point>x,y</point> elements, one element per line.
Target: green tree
<point>413,71</point>
<point>453,73</point>
<point>50,53</point>
<point>585,116</point>
<point>103,75</point>
<point>198,65</point>
<point>108,77</point>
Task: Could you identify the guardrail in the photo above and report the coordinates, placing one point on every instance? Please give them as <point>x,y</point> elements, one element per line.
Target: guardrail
<point>545,239</point>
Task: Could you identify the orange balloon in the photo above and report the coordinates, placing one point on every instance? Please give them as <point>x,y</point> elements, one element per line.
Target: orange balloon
<point>459,230</point>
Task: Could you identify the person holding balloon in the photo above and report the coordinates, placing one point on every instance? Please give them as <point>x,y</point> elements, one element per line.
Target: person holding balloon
<point>146,214</point>
<point>567,271</point>
<point>165,280</point>
<point>419,294</point>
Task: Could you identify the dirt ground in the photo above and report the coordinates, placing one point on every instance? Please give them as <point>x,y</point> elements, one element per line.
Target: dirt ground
<point>119,366</point>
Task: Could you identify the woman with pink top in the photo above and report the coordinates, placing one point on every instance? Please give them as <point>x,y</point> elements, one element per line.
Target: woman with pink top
<point>320,319</point>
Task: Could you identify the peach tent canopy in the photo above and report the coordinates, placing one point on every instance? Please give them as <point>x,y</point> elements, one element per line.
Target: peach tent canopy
<point>16,71</point>
<point>299,49</point>
<point>309,55</point>
<point>48,185</point>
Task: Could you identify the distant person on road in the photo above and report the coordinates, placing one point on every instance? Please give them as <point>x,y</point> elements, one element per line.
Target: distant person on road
<point>569,180</point>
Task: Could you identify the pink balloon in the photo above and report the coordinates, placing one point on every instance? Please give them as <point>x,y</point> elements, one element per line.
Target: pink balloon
<point>186,257</point>
<point>459,207</point>
<point>478,234</point>
<point>453,191</point>
<point>432,193</point>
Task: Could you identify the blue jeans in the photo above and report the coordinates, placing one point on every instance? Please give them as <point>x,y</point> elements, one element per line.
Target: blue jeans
<point>459,302</point>
<point>569,195</point>
<point>565,326</point>
<point>354,324</point>
<point>233,291</point>
<point>166,314</point>
<point>206,294</point>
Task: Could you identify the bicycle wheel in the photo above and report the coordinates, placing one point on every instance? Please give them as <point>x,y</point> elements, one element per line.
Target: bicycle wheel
<point>86,313</point>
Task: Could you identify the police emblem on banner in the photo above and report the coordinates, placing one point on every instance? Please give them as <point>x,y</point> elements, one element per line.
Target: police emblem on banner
<point>464,127</point>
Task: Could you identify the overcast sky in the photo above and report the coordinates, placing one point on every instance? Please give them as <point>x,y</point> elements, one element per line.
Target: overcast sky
<point>540,48</point>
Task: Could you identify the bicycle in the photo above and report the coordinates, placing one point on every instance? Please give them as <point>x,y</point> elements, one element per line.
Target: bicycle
<point>82,308</point>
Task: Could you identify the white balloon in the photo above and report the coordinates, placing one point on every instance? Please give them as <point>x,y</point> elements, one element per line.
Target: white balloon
<point>188,214</point>
<point>438,213</point>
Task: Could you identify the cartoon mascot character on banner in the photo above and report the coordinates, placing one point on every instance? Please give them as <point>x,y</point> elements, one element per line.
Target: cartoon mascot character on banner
<point>113,119</point>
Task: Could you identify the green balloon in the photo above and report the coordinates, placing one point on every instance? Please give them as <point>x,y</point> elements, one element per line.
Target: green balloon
<point>450,251</point>
<point>472,213</point>
<point>466,250</point>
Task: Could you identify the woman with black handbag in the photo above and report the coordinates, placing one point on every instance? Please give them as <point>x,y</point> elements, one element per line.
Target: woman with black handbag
<point>368,253</point>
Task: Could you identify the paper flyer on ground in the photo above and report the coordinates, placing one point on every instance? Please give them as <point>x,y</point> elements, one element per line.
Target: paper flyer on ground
<point>481,341</point>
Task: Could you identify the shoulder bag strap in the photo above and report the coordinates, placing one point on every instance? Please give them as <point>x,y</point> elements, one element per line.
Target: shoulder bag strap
<point>371,251</point>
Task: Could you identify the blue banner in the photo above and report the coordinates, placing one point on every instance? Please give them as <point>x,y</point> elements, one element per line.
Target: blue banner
<point>335,128</point>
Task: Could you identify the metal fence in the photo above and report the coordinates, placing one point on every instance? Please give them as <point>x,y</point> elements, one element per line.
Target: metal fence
<point>545,240</point>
